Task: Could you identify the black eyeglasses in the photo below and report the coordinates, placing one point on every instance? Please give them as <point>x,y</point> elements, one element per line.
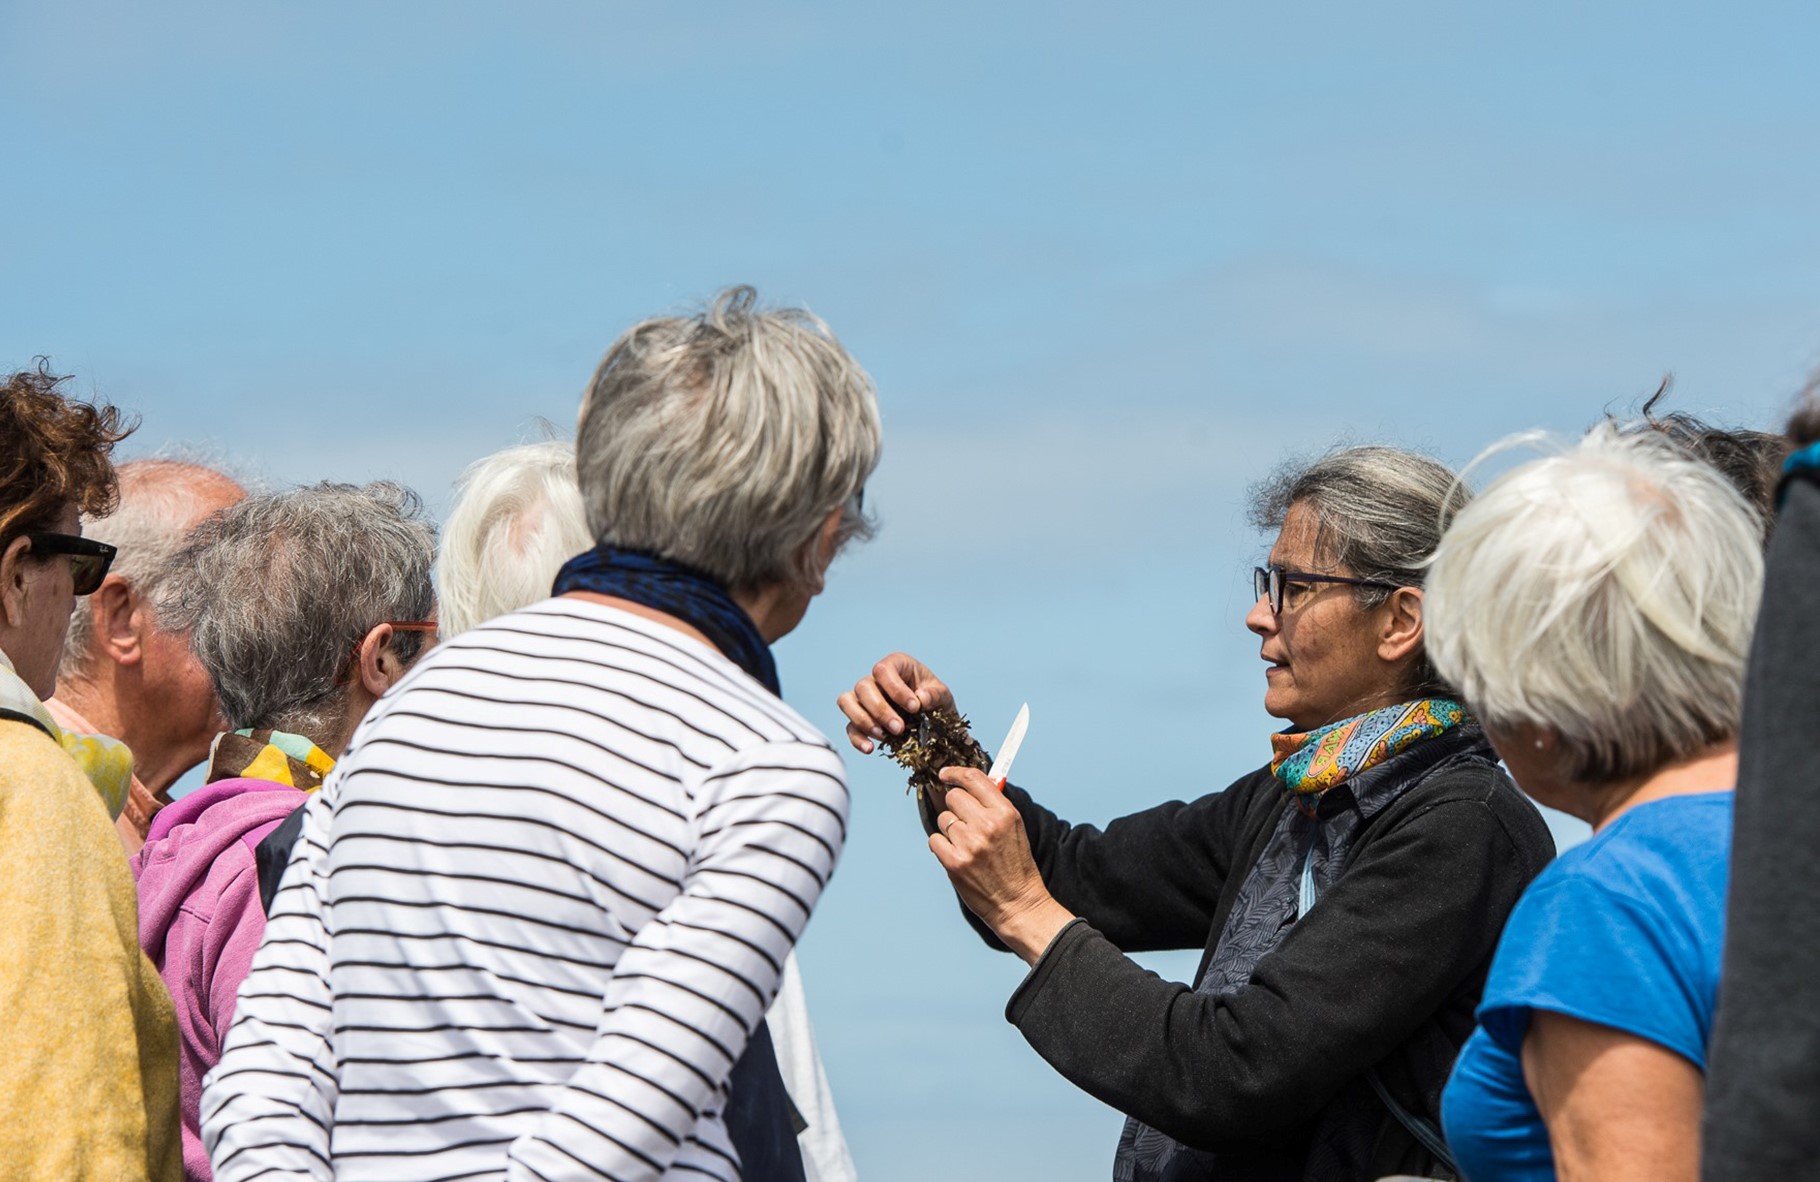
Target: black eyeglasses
<point>1270,581</point>
<point>89,559</point>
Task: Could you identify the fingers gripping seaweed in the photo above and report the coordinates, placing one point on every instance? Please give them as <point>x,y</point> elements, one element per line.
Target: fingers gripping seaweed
<point>935,739</point>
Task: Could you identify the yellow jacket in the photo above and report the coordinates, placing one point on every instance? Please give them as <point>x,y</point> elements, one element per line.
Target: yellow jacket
<point>88,1039</point>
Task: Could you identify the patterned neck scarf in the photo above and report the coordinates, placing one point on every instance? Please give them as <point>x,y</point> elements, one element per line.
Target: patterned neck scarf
<point>278,756</point>
<point>105,761</point>
<point>1311,762</point>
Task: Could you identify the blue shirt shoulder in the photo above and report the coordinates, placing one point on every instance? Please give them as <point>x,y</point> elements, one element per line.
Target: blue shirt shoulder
<point>1624,930</point>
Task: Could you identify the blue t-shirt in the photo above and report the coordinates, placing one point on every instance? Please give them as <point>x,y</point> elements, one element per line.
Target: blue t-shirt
<point>1624,931</point>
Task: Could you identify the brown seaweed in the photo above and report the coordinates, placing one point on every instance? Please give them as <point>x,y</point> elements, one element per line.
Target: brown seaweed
<point>935,739</point>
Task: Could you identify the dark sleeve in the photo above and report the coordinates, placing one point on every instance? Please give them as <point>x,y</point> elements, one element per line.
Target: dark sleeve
<point>1146,882</point>
<point>1418,910</point>
<point>273,854</point>
<point>1763,1068</point>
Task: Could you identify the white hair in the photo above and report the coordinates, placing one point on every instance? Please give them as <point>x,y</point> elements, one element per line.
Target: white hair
<point>1605,594</point>
<point>724,440</point>
<point>517,519</point>
<point>161,500</point>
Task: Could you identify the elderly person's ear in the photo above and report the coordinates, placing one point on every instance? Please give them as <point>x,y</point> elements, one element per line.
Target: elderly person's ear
<point>379,666</point>
<point>1400,634</point>
<point>12,581</point>
<point>118,619</point>
<point>827,546</point>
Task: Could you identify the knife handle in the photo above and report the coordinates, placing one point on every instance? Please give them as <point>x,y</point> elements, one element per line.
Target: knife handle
<point>999,783</point>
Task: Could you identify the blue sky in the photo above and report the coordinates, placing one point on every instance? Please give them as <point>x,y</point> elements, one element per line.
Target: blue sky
<point>1107,264</point>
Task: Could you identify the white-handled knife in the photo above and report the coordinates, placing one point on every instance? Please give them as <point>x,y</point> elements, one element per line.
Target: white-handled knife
<point>1007,751</point>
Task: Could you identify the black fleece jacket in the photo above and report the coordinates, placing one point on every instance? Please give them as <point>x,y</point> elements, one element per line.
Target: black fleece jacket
<point>1386,970</point>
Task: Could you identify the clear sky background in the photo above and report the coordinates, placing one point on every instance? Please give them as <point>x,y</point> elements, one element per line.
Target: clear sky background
<point>1108,264</point>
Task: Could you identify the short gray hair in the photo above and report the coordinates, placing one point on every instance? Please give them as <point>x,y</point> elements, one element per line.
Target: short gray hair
<point>160,500</point>
<point>723,440</point>
<point>279,590</point>
<point>517,519</point>
<point>1379,514</point>
<point>1605,594</point>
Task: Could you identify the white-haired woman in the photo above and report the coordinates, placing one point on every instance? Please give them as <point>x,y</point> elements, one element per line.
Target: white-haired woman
<point>517,518</point>
<point>1347,894</point>
<point>538,914</point>
<point>1595,608</point>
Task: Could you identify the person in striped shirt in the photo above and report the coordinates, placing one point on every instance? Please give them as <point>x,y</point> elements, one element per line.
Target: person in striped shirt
<point>516,518</point>
<point>538,911</point>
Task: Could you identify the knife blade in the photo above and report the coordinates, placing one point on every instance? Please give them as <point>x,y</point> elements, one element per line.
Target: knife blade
<point>1007,751</point>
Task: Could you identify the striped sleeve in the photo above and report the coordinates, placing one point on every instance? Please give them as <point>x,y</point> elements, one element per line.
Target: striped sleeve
<point>696,979</point>
<point>267,1106</point>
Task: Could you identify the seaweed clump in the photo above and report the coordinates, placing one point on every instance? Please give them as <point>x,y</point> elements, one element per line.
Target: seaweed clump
<point>935,739</point>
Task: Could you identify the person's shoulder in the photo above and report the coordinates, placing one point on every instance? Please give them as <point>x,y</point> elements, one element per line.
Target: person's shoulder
<point>1471,787</point>
<point>1657,848</point>
<point>32,757</point>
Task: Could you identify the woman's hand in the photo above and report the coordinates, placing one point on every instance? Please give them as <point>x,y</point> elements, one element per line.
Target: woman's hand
<point>898,685</point>
<point>980,842</point>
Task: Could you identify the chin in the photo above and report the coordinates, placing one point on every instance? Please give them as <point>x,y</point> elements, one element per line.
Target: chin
<point>1276,707</point>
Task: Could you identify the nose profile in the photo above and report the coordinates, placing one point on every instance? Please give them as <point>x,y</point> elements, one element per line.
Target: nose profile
<point>1260,619</point>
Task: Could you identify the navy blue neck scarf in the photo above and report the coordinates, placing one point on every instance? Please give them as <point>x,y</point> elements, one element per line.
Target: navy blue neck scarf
<point>695,598</point>
<point>762,1121</point>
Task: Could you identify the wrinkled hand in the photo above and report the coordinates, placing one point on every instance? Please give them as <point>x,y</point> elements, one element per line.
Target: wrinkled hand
<point>898,685</point>
<point>981,843</point>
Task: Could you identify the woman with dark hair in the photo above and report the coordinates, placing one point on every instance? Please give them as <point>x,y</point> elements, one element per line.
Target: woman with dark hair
<point>1348,894</point>
<point>90,1083</point>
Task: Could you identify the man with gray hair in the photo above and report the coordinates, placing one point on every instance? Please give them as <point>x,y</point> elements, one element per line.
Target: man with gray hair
<point>126,672</point>
<point>303,607</point>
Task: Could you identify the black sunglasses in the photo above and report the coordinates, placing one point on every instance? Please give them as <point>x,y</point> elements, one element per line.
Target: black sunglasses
<point>1270,581</point>
<point>89,559</point>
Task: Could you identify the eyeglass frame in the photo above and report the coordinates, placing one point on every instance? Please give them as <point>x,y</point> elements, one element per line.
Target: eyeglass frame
<point>82,553</point>
<point>1262,578</point>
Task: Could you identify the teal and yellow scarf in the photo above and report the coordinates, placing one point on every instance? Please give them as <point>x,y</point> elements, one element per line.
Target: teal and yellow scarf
<point>1311,762</point>
<point>278,756</point>
<point>106,762</point>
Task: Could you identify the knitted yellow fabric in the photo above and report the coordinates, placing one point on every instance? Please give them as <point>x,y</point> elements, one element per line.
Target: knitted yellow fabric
<point>88,1079</point>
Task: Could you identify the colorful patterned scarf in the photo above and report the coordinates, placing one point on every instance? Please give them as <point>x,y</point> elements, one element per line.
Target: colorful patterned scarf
<point>278,756</point>
<point>1311,762</point>
<point>106,762</point>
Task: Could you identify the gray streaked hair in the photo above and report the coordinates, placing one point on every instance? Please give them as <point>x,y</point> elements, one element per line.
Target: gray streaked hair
<point>1379,513</point>
<point>1605,594</point>
<point>725,439</point>
<point>517,519</point>
<point>160,500</point>
<point>279,590</point>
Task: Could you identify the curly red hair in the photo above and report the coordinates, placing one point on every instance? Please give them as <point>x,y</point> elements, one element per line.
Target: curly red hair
<point>54,451</point>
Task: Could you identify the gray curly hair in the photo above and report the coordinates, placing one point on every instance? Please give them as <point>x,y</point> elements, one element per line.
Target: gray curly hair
<point>278,591</point>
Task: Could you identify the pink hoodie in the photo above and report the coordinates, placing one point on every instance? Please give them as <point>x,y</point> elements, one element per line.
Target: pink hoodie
<point>200,919</point>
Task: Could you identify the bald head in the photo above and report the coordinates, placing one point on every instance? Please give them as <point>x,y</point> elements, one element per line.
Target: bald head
<point>161,501</point>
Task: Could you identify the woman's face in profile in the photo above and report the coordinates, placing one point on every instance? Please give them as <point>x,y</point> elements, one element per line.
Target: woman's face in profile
<point>45,599</point>
<point>1321,651</point>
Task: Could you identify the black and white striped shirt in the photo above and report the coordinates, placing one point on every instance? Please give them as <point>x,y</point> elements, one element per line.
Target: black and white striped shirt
<point>533,918</point>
